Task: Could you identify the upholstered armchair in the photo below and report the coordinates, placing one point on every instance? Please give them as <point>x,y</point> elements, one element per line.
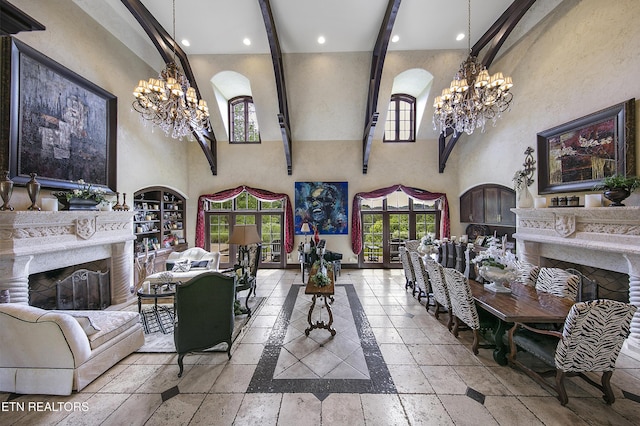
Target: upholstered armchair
<point>197,258</point>
<point>593,334</point>
<point>204,314</point>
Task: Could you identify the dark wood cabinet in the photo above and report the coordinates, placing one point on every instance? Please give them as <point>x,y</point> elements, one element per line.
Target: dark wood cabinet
<point>488,204</point>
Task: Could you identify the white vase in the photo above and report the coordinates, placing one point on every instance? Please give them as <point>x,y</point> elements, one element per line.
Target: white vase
<point>498,277</point>
<point>524,199</point>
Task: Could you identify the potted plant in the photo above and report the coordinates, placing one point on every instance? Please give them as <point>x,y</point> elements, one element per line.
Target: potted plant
<point>618,187</point>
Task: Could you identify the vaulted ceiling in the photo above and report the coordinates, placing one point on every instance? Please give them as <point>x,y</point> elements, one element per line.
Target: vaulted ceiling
<point>294,26</point>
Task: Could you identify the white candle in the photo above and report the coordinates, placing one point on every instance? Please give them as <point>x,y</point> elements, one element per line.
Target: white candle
<point>50,204</point>
<point>540,202</point>
<point>593,200</point>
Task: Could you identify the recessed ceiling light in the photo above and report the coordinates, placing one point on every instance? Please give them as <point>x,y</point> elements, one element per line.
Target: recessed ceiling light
<point>460,37</point>
<point>321,40</point>
<point>395,38</point>
<point>185,42</point>
<point>246,41</point>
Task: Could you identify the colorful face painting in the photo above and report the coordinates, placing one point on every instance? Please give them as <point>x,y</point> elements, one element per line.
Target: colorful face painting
<point>323,205</point>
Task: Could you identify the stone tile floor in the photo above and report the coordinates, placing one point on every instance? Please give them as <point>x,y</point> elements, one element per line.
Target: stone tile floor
<point>391,363</point>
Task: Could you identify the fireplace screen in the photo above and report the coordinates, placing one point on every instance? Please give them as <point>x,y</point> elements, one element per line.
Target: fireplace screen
<point>83,289</point>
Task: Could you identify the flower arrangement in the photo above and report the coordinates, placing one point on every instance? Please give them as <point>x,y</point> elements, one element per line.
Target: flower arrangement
<point>495,255</point>
<point>320,278</point>
<point>84,191</point>
<point>521,180</point>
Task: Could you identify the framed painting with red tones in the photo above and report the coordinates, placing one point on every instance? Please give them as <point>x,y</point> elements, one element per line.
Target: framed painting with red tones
<point>577,155</point>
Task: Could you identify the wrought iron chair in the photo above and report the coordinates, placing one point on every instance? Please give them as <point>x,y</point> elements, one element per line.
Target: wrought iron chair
<point>593,334</point>
<point>247,281</point>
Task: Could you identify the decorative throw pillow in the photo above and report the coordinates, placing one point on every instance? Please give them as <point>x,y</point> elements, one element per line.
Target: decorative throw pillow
<point>200,264</point>
<point>182,266</point>
<point>87,324</point>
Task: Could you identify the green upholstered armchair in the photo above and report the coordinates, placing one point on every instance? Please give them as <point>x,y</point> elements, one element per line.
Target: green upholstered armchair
<point>204,314</point>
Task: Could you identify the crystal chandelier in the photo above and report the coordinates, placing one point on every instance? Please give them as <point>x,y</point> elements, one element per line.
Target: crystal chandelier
<point>473,97</point>
<point>170,102</point>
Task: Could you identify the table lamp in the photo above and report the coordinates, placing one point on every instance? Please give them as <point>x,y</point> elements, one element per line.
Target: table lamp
<point>243,235</point>
<point>305,229</point>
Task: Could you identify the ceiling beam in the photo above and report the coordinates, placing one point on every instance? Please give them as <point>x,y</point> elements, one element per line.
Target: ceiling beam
<point>278,70</point>
<point>496,35</point>
<point>13,20</point>
<point>169,49</point>
<point>375,77</point>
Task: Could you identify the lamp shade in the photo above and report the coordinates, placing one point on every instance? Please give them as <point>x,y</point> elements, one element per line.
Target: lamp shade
<point>305,227</point>
<point>244,235</point>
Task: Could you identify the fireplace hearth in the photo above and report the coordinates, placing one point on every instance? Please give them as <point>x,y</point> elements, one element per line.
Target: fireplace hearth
<point>33,242</point>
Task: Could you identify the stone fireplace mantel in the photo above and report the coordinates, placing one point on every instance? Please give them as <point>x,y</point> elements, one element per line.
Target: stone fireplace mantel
<point>602,237</point>
<point>32,242</point>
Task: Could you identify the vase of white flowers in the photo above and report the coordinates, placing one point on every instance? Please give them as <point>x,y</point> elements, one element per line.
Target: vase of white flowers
<point>497,266</point>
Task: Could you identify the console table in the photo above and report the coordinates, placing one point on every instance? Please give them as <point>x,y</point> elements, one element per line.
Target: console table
<point>324,292</point>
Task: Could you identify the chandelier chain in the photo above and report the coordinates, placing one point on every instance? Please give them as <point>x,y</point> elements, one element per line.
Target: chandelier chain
<point>473,97</point>
<point>169,102</point>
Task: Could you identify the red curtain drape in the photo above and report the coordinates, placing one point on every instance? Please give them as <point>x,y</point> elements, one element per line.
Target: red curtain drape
<point>261,195</point>
<point>419,194</point>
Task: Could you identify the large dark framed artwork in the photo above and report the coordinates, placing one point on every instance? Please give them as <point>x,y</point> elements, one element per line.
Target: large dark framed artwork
<point>58,124</point>
<point>577,155</point>
<point>323,204</point>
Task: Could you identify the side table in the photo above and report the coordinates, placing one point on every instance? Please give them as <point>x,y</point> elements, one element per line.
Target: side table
<point>158,292</point>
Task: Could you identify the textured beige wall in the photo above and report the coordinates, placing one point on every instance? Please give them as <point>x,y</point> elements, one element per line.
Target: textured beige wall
<point>77,42</point>
<point>581,59</point>
<point>327,95</point>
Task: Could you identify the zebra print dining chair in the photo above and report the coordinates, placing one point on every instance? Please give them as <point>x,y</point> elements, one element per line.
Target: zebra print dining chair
<point>593,334</point>
<point>409,275</point>
<point>463,306</point>
<point>421,284</point>
<point>558,282</point>
<point>439,289</point>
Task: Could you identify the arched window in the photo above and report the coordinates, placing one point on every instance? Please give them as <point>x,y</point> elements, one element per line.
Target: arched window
<point>243,122</point>
<point>401,119</point>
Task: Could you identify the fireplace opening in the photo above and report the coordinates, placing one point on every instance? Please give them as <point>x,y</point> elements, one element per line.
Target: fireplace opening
<point>610,284</point>
<point>83,286</point>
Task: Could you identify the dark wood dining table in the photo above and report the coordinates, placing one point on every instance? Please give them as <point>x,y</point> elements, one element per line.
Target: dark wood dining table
<point>524,304</point>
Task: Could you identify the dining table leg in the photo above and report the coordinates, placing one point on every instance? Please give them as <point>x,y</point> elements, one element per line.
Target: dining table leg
<point>500,351</point>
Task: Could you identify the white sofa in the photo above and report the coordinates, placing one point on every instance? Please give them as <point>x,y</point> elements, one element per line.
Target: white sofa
<point>185,265</point>
<point>56,352</point>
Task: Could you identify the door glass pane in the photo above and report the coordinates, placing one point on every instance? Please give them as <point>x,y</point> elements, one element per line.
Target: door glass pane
<point>372,237</point>
<point>271,240</point>
<point>425,225</point>
<point>398,234</point>
<point>245,219</point>
<point>219,236</point>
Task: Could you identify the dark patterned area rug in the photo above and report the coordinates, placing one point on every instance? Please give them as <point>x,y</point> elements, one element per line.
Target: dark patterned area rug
<point>158,337</point>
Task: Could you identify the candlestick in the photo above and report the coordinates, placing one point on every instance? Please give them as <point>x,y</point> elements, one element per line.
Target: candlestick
<point>540,202</point>
<point>593,200</point>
